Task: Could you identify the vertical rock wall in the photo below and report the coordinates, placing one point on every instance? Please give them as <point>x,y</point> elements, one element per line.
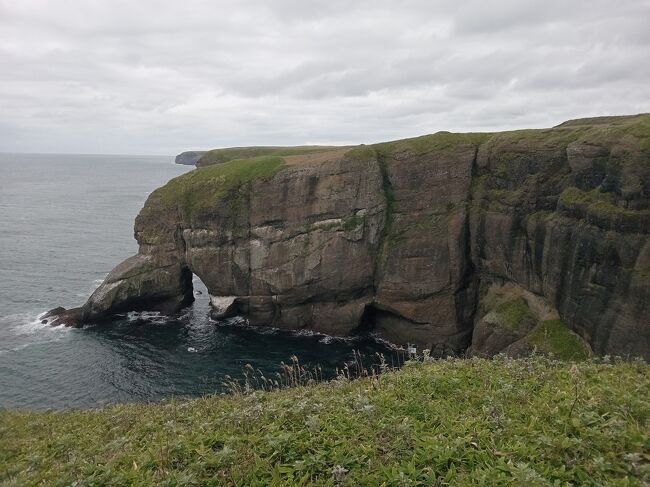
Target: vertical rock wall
<point>404,238</point>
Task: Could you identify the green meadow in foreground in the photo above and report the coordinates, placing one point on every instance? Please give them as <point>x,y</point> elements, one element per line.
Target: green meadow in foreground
<point>532,422</point>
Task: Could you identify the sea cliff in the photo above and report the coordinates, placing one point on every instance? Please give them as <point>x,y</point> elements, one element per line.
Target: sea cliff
<point>478,243</point>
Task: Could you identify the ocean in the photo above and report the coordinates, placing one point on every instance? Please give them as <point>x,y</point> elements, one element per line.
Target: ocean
<point>66,221</point>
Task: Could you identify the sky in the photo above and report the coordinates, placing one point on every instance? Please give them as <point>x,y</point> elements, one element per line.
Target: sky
<point>161,77</point>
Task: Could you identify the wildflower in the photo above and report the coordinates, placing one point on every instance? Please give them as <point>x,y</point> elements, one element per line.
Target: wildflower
<point>632,458</point>
<point>338,471</point>
<point>313,423</point>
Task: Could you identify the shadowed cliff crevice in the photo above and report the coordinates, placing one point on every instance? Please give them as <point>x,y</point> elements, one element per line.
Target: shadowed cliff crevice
<point>389,201</point>
<point>466,294</point>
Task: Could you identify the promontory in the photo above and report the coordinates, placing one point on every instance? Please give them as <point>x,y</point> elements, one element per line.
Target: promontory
<point>461,243</point>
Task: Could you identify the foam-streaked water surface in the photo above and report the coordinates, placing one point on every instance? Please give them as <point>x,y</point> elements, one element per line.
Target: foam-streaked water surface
<point>66,221</point>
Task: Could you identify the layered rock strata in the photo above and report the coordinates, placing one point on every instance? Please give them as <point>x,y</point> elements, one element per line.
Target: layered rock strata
<point>407,238</point>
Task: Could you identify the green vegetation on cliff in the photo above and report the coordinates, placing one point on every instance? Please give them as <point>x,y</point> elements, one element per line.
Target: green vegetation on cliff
<point>637,126</point>
<point>500,422</point>
<point>203,187</point>
<point>363,153</point>
<point>553,336</point>
<point>513,312</point>
<point>440,142</point>
<point>596,200</point>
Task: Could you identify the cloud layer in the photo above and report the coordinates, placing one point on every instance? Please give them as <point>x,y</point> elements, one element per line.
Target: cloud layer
<point>159,77</point>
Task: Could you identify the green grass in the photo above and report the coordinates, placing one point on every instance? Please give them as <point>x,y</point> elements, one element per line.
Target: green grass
<point>546,137</point>
<point>443,142</point>
<point>636,126</point>
<point>500,422</point>
<point>553,336</point>
<point>363,153</point>
<point>513,312</point>
<point>205,186</point>
<point>218,156</point>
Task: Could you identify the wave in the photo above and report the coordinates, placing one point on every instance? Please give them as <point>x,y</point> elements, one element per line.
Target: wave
<point>28,323</point>
<point>28,330</point>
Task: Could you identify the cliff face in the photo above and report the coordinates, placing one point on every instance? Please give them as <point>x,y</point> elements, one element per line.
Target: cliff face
<point>497,242</point>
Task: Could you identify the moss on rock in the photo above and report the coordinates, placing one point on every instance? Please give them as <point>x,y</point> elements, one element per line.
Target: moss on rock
<point>513,312</point>
<point>595,200</point>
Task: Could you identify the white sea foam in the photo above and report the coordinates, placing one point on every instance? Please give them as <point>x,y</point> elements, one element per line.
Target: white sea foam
<point>149,316</point>
<point>29,323</point>
<point>32,331</point>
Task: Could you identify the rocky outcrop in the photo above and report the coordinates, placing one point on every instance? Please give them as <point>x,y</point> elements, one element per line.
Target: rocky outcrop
<point>515,321</point>
<point>189,158</point>
<point>407,239</point>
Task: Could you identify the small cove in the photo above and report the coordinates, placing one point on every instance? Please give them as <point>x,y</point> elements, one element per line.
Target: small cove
<point>67,220</point>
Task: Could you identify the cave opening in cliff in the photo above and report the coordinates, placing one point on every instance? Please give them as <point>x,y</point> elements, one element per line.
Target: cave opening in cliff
<point>367,320</point>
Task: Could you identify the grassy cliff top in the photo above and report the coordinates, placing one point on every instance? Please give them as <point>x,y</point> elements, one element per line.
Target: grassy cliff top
<point>607,120</point>
<point>217,156</point>
<point>205,186</point>
<point>532,422</point>
<point>223,170</point>
<point>566,132</point>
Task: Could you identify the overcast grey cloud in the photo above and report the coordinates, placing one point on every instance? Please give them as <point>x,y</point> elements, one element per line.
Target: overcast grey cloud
<point>159,77</point>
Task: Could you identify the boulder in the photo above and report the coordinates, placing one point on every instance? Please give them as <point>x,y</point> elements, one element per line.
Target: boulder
<point>61,316</point>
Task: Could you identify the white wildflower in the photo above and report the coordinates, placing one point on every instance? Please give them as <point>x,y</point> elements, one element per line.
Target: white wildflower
<point>338,471</point>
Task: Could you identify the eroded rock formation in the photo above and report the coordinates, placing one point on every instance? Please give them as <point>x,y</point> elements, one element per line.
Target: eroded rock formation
<point>408,238</point>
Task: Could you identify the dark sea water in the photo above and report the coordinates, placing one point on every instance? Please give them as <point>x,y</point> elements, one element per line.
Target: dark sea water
<point>65,222</point>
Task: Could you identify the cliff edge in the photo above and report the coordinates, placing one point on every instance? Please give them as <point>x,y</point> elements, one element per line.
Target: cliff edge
<point>479,243</point>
